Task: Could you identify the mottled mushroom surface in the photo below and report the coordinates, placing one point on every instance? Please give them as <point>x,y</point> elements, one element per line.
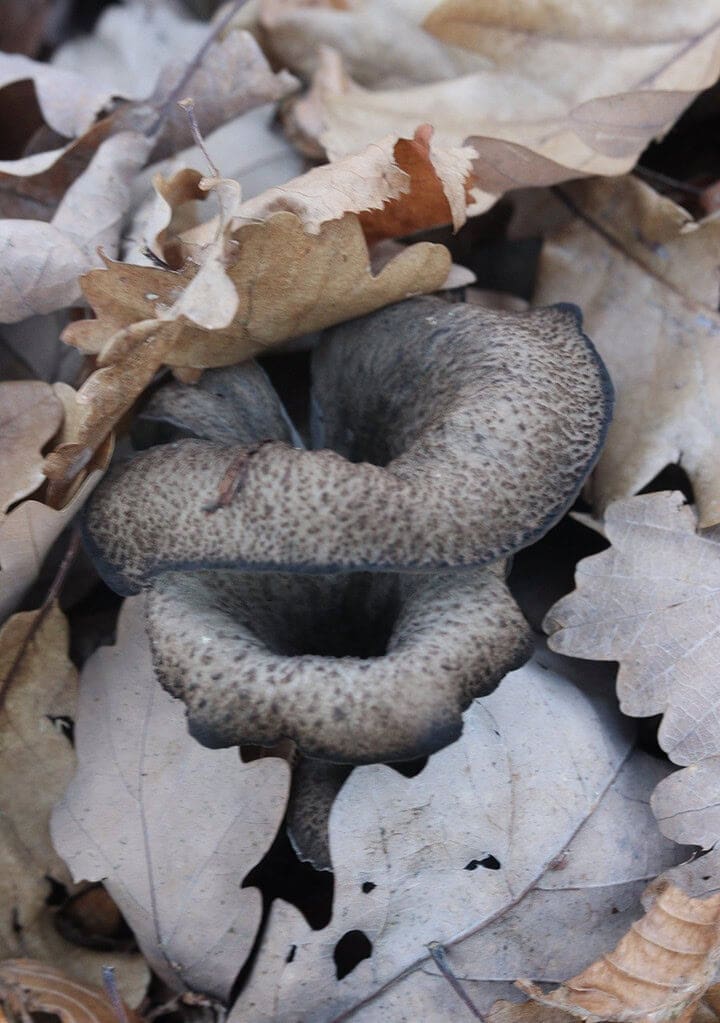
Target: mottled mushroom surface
<point>352,597</point>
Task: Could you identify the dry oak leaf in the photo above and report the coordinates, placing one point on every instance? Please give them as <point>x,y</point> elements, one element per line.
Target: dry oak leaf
<point>645,275</point>
<point>172,827</point>
<point>38,685</point>
<point>651,602</point>
<point>396,185</point>
<point>30,416</point>
<point>62,205</point>
<point>527,817</point>
<point>510,79</point>
<point>657,972</point>
<point>285,283</point>
<point>28,986</point>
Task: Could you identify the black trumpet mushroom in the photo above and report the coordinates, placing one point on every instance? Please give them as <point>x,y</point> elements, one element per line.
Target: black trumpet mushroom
<point>351,597</point>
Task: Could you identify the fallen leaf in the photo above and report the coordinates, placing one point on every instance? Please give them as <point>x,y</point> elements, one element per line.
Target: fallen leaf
<point>510,80</point>
<point>172,827</point>
<point>645,275</point>
<point>658,971</point>
<point>27,533</point>
<point>534,826</point>
<point>397,185</point>
<point>651,603</point>
<point>39,688</point>
<point>74,199</point>
<point>28,986</point>
<point>31,415</point>
<point>286,283</point>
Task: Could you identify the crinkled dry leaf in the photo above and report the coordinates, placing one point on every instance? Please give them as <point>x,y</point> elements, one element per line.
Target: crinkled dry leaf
<point>645,275</point>
<point>28,986</point>
<point>652,603</point>
<point>173,827</point>
<point>657,972</point>
<point>285,283</point>
<point>525,818</point>
<point>30,415</point>
<point>510,79</point>
<point>396,185</point>
<point>39,689</point>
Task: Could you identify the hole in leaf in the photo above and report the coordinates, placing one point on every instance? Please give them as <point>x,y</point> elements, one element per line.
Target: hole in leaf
<point>352,948</point>
<point>368,886</point>
<point>490,862</point>
<point>291,954</point>
<point>65,725</point>
<point>409,768</point>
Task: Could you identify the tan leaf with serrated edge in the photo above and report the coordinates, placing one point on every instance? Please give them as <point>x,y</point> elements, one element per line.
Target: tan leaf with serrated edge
<point>38,684</point>
<point>30,415</point>
<point>645,275</point>
<point>287,283</point>
<point>656,973</point>
<point>28,986</point>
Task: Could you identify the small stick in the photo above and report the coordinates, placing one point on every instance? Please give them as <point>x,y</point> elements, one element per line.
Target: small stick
<point>111,989</point>
<point>52,594</point>
<point>192,67</point>
<point>189,107</point>
<point>664,179</point>
<point>439,955</point>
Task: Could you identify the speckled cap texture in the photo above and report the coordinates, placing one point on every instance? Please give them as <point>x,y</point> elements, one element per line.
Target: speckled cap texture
<point>352,597</point>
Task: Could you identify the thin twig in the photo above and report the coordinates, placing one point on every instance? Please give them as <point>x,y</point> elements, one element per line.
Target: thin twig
<point>665,179</point>
<point>52,594</point>
<point>437,951</point>
<point>189,107</point>
<point>181,87</point>
<point>111,989</point>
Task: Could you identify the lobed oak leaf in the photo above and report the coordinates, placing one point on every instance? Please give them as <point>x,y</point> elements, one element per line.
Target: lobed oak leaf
<point>172,827</point>
<point>651,603</point>
<point>285,283</point>
<point>645,274</point>
<point>38,687</point>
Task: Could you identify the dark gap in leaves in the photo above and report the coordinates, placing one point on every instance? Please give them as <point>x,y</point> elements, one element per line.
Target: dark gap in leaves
<point>368,886</point>
<point>291,954</point>
<point>409,768</point>
<point>489,861</point>
<point>281,875</point>
<point>545,571</point>
<point>672,477</point>
<point>91,919</point>
<point>93,622</point>
<point>21,117</point>
<point>353,947</point>
<point>57,894</point>
<point>65,725</point>
<point>289,374</point>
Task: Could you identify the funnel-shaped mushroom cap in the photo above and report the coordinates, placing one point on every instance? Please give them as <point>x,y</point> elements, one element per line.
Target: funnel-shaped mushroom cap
<point>356,669</point>
<point>460,435</point>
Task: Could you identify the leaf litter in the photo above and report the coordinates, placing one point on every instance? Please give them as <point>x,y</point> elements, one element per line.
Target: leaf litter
<point>528,847</point>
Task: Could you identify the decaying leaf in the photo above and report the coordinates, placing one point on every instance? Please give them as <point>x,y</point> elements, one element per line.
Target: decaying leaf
<point>284,283</point>
<point>657,972</point>
<point>30,415</point>
<point>509,79</point>
<point>39,688</point>
<point>28,986</point>
<point>651,603</point>
<point>72,200</point>
<point>528,818</point>
<point>174,828</point>
<point>645,275</point>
